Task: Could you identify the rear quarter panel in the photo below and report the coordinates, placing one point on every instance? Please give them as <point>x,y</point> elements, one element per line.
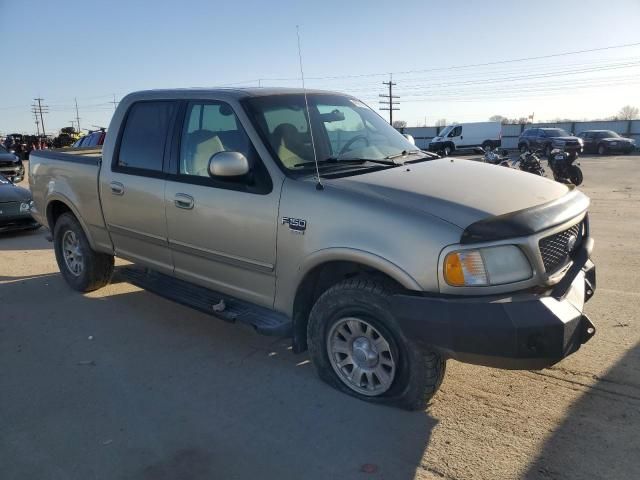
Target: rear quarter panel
<point>72,180</point>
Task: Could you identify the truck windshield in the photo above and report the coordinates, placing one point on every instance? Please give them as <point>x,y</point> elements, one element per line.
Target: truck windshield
<point>343,128</point>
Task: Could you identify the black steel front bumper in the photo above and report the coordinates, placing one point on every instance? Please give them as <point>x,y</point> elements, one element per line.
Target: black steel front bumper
<point>524,331</point>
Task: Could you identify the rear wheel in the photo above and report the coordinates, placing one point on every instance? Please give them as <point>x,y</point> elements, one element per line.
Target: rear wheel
<point>357,347</point>
<point>487,146</point>
<point>575,175</point>
<point>83,268</point>
<point>602,149</point>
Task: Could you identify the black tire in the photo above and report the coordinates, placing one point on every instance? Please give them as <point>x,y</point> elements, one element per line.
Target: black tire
<point>487,145</point>
<point>419,371</point>
<point>446,151</point>
<point>575,175</point>
<point>602,150</point>
<point>547,151</point>
<point>522,148</point>
<point>97,268</point>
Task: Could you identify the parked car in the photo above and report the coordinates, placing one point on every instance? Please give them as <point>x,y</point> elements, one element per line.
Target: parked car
<point>606,141</point>
<point>15,207</point>
<point>378,258</point>
<point>546,139</point>
<point>93,139</point>
<point>466,136</point>
<point>11,165</point>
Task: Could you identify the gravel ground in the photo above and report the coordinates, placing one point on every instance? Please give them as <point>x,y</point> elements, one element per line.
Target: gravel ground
<point>121,384</point>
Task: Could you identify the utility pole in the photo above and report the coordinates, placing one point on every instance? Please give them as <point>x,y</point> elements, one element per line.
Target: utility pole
<point>35,117</point>
<point>39,110</point>
<point>77,114</point>
<point>115,104</point>
<point>389,99</point>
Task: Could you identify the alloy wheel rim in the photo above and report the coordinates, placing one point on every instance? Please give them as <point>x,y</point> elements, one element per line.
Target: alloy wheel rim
<point>72,253</point>
<point>361,356</point>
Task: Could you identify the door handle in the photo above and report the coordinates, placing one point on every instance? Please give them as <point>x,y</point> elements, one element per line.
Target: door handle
<point>182,200</point>
<point>117,188</point>
<point>461,137</point>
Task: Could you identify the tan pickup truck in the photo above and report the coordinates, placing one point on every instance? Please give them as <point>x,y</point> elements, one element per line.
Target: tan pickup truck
<point>310,217</point>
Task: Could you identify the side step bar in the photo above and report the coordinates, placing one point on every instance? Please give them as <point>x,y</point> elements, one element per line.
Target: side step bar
<point>264,320</point>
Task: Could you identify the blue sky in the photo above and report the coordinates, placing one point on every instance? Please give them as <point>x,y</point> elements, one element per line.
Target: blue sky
<point>92,50</point>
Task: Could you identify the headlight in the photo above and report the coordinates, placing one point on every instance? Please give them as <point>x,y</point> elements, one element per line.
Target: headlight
<point>486,266</point>
<point>25,207</point>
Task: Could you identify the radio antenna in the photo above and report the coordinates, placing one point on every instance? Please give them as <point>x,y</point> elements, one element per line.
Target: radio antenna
<point>319,185</point>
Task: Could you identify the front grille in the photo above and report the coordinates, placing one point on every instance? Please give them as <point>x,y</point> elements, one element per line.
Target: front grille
<point>556,249</point>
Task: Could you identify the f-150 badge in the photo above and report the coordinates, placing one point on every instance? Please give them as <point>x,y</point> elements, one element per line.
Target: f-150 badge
<point>296,225</point>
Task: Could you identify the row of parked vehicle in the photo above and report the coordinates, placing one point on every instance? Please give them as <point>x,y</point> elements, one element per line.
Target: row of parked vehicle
<point>488,135</point>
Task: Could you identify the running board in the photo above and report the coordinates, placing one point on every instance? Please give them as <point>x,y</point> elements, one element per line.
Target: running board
<point>230,309</point>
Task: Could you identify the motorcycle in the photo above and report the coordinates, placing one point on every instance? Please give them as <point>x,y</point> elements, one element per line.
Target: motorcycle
<point>530,162</point>
<point>564,171</point>
<point>496,157</point>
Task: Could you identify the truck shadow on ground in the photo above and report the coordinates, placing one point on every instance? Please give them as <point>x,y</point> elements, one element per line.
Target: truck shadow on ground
<point>600,437</point>
<point>121,383</point>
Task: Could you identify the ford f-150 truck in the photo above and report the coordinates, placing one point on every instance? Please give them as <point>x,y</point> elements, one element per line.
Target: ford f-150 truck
<point>305,214</point>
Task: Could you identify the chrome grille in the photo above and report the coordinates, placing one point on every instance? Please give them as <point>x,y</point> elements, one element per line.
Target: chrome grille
<point>556,249</point>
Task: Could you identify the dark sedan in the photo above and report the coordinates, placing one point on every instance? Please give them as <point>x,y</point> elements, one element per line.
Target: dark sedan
<point>11,165</point>
<point>606,141</point>
<point>15,207</point>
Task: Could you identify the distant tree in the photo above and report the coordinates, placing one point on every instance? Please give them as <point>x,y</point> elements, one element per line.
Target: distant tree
<point>68,130</point>
<point>628,113</point>
<point>399,124</point>
<point>498,118</point>
<point>441,122</point>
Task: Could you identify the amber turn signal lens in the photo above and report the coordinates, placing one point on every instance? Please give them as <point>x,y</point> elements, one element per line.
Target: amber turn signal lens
<point>453,273</point>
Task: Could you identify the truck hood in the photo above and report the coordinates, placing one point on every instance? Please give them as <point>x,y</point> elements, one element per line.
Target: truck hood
<point>458,191</point>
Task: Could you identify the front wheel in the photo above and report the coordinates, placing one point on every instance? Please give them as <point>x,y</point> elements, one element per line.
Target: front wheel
<point>446,151</point>
<point>357,347</point>
<point>83,268</point>
<point>575,175</point>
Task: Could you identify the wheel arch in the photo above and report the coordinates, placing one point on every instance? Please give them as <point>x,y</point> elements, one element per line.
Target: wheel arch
<point>58,205</point>
<point>325,269</point>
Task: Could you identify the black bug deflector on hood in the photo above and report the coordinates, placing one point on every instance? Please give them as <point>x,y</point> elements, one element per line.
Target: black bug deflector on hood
<point>527,221</point>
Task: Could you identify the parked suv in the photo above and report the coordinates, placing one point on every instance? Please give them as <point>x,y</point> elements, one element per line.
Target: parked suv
<point>546,139</point>
<point>606,141</point>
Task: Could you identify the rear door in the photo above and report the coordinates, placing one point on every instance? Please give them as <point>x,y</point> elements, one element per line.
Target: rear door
<point>132,189</point>
<point>222,232</point>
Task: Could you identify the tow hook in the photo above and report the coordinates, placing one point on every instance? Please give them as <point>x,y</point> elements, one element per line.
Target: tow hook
<point>588,329</point>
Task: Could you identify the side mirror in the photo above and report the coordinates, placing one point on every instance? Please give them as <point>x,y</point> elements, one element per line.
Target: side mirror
<point>410,138</point>
<point>228,164</point>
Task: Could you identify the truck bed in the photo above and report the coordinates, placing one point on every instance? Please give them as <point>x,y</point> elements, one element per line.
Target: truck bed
<point>70,176</point>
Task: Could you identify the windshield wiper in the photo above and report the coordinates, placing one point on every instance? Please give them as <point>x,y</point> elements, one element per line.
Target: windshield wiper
<point>403,153</point>
<point>337,161</point>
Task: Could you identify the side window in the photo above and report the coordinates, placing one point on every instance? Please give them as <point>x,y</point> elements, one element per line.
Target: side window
<point>456,132</point>
<point>92,140</point>
<point>145,132</point>
<point>210,128</point>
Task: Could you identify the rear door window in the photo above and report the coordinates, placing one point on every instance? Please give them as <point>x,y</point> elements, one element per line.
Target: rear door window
<point>144,136</point>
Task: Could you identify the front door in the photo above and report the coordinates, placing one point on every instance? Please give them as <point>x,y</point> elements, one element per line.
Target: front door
<point>132,188</point>
<point>222,232</point>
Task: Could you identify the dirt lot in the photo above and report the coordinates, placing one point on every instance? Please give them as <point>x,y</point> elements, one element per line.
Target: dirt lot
<point>121,384</point>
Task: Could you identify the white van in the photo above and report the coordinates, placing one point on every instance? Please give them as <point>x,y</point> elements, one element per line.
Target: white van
<point>462,136</point>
